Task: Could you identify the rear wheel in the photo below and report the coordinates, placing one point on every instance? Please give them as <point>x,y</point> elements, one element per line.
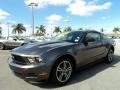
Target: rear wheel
<point>62,71</point>
<point>2,46</point>
<point>109,57</point>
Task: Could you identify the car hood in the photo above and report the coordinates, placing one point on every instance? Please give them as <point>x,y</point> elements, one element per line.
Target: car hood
<point>39,48</point>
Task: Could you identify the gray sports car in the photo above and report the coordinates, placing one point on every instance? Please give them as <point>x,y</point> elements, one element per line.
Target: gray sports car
<point>59,58</point>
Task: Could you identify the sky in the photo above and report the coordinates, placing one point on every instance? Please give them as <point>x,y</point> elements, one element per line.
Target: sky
<point>87,14</point>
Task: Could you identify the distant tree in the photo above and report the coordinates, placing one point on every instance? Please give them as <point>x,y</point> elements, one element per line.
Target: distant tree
<point>0,31</point>
<point>80,29</point>
<point>101,30</point>
<point>57,30</point>
<point>41,30</point>
<point>88,29</point>
<point>67,29</point>
<point>19,29</point>
<point>116,29</point>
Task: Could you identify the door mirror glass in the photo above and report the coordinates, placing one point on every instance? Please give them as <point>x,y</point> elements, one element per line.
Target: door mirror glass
<point>89,40</point>
<point>15,39</point>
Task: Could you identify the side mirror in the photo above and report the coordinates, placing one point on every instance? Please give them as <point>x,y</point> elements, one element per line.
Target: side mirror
<point>87,40</point>
<point>15,39</point>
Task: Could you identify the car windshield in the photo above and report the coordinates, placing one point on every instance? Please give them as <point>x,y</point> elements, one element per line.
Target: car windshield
<point>69,37</point>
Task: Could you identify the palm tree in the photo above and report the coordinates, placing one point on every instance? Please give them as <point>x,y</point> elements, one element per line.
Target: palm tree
<point>116,29</point>
<point>67,29</point>
<point>19,29</point>
<point>41,30</point>
<point>57,30</point>
<point>101,30</point>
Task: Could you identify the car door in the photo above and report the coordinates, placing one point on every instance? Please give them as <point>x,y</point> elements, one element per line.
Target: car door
<point>90,51</point>
<point>12,42</point>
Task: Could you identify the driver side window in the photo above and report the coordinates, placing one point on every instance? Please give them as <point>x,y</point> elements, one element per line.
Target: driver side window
<point>94,36</point>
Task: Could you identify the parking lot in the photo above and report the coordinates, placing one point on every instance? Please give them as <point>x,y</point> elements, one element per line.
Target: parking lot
<point>97,77</point>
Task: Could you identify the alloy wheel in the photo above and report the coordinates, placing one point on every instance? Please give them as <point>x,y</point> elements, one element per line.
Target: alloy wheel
<point>110,56</point>
<point>1,46</point>
<point>64,71</point>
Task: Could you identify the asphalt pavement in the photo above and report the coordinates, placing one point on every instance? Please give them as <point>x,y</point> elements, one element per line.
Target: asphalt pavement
<point>97,77</point>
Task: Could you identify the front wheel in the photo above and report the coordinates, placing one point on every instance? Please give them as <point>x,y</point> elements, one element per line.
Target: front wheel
<point>1,46</point>
<point>62,71</point>
<point>109,57</point>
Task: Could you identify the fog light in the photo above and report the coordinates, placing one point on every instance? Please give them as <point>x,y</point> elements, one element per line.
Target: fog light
<point>42,74</point>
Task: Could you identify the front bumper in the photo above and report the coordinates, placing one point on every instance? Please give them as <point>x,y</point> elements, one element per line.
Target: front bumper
<point>30,72</point>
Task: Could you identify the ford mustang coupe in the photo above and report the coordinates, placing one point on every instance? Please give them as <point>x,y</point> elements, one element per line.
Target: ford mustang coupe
<point>56,60</point>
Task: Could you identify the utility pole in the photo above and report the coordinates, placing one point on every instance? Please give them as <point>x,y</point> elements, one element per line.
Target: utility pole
<point>0,30</point>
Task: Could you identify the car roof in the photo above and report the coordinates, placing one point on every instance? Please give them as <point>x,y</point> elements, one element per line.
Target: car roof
<point>86,31</point>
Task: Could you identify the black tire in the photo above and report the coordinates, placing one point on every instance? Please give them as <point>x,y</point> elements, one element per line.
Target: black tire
<point>2,47</point>
<point>59,71</point>
<point>109,58</point>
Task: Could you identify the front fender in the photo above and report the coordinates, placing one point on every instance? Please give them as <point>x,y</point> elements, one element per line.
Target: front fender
<point>52,55</point>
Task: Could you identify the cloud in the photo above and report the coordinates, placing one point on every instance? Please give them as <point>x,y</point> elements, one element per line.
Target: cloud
<point>66,20</point>
<point>43,3</point>
<point>54,19</point>
<point>3,14</point>
<point>84,8</point>
<point>5,29</point>
<point>75,7</point>
<point>4,26</point>
<point>28,29</point>
<point>59,2</point>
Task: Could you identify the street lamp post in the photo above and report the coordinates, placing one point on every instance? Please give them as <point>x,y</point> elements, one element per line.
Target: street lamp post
<point>33,5</point>
<point>0,30</point>
<point>8,30</point>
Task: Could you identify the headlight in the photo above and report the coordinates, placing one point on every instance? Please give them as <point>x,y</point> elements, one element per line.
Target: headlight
<point>34,60</point>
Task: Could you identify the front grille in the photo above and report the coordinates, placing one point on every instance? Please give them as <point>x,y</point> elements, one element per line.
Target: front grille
<point>20,60</point>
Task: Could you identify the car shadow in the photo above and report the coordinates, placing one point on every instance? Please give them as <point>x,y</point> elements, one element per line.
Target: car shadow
<point>83,74</point>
